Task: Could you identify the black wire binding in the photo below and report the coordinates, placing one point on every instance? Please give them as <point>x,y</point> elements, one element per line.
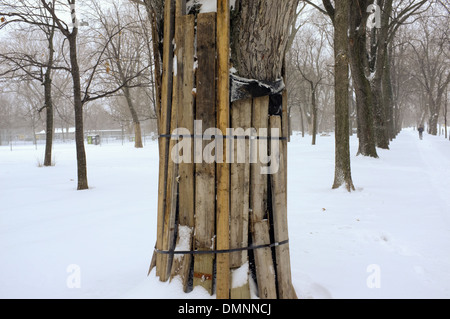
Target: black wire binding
<point>246,137</point>
<point>223,251</point>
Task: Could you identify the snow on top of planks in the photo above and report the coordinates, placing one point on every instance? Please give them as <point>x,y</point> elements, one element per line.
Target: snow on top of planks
<point>205,6</point>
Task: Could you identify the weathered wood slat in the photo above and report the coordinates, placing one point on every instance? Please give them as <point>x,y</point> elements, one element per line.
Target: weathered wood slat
<point>164,127</point>
<point>280,221</point>
<point>241,118</point>
<point>285,117</point>
<point>184,39</point>
<point>223,170</point>
<point>205,194</point>
<point>171,191</point>
<point>265,271</point>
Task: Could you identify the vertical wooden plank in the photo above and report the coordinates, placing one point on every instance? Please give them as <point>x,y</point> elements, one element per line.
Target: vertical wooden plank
<point>171,188</point>
<point>205,173</point>
<point>286,133</point>
<point>164,127</point>
<point>223,171</point>
<point>172,167</point>
<point>184,39</point>
<point>265,271</point>
<point>280,221</point>
<point>241,118</point>
<point>285,117</point>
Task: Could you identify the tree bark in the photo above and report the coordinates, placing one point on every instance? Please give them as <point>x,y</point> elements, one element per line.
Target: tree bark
<point>380,58</point>
<point>342,174</point>
<point>359,63</point>
<point>78,106</point>
<point>260,35</point>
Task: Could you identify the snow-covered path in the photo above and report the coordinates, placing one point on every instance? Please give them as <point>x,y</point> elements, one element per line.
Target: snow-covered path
<point>391,234</point>
<point>397,221</point>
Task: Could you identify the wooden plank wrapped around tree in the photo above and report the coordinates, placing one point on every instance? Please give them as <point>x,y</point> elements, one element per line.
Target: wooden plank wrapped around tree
<point>184,39</point>
<point>241,119</point>
<point>205,173</point>
<point>164,127</point>
<point>223,169</point>
<point>279,211</point>
<point>265,271</point>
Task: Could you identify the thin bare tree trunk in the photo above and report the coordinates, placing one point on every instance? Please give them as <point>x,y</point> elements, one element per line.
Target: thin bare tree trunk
<point>78,105</point>
<point>135,117</point>
<point>445,114</point>
<point>314,116</point>
<point>49,103</point>
<point>49,119</point>
<point>302,121</point>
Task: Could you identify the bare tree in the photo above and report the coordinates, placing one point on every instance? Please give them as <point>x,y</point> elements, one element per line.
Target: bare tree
<point>82,94</point>
<point>129,64</point>
<point>431,57</point>
<point>30,64</point>
<point>310,62</point>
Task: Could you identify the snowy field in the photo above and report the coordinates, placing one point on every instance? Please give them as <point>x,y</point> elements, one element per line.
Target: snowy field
<point>389,239</point>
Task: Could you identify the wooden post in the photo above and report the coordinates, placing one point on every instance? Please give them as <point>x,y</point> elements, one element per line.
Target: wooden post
<point>223,170</point>
<point>166,105</point>
<point>184,39</point>
<point>205,173</point>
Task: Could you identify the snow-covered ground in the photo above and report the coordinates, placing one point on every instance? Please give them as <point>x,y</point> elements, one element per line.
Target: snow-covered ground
<point>388,239</point>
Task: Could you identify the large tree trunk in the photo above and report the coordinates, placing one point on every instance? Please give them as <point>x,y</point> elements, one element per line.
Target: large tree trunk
<point>380,127</point>
<point>78,105</point>
<point>434,116</point>
<point>342,166</point>
<point>381,58</point>
<point>260,37</point>
<point>359,63</point>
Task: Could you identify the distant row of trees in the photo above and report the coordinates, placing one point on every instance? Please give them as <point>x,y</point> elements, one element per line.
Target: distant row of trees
<point>399,71</point>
